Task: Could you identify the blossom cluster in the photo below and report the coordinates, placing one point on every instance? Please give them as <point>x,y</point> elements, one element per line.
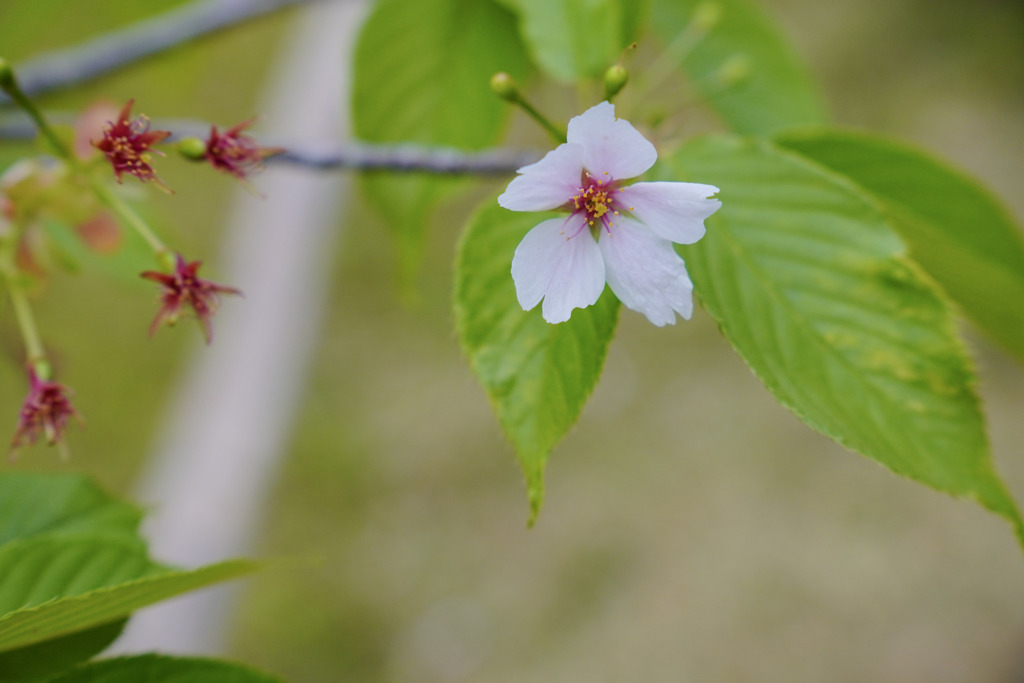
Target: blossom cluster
<point>128,145</point>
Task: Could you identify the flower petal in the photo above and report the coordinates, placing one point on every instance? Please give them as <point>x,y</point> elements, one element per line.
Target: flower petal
<point>610,145</point>
<point>567,272</point>
<point>646,273</point>
<point>674,211</point>
<point>546,184</point>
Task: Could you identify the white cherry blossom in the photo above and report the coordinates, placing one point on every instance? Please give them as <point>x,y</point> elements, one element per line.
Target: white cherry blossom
<point>615,233</point>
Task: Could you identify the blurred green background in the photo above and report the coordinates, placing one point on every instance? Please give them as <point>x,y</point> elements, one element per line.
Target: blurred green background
<point>694,530</point>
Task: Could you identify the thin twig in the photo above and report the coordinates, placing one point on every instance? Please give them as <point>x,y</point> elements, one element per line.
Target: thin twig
<point>398,157</point>
<point>111,51</point>
<point>406,158</point>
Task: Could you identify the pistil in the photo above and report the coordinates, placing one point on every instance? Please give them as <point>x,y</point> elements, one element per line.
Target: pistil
<point>595,201</point>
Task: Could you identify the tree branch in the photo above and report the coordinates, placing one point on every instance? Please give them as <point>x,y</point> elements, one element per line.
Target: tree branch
<point>406,158</point>
<point>321,156</point>
<point>121,48</point>
<point>111,51</point>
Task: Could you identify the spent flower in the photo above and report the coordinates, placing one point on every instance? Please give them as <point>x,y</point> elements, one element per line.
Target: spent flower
<point>127,145</point>
<point>615,233</point>
<point>184,289</point>
<point>235,153</point>
<point>46,411</point>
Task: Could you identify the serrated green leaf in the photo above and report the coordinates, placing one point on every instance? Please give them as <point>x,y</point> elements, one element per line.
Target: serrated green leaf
<point>37,570</point>
<point>34,504</point>
<point>66,615</point>
<point>55,531</point>
<point>421,74</point>
<point>576,39</point>
<point>71,562</point>
<point>813,288</point>
<point>537,375</point>
<point>740,64</point>
<point>955,229</point>
<point>44,660</point>
<point>162,669</point>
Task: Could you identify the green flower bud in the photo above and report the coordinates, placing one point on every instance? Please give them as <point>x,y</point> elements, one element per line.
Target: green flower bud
<point>166,260</point>
<point>734,70</point>
<point>504,86</point>
<point>615,79</point>
<point>193,149</point>
<point>6,75</point>
<point>707,15</point>
<point>42,368</point>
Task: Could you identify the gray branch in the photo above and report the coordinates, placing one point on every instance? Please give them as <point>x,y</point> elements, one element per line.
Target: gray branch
<point>117,49</point>
<point>329,156</point>
<point>405,158</point>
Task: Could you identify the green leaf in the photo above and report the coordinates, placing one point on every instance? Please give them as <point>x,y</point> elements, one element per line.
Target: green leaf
<point>740,63</point>
<point>64,615</point>
<point>162,669</point>
<point>43,660</point>
<point>34,504</point>
<point>422,72</point>
<point>961,235</point>
<point>576,39</point>
<point>38,570</point>
<point>811,285</point>
<point>537,375</point>
<point>55,529</point>
<point>72,567</point>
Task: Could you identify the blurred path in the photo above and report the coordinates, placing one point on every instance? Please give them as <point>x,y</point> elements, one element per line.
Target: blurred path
<point>224,439</point>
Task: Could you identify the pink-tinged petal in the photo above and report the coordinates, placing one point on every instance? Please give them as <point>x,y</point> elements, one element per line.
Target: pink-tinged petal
<point>610,145</point>
<point>674,211</point>
<point>566,271</point>
<point>547,184</point>
<point>646,273</point>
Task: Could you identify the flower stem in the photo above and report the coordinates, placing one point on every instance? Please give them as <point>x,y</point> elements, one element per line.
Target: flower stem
<point>557,133</point>
<point>9,84</point>
<point>505,87</point>
<point>26,322</point>
<point>22,311</point>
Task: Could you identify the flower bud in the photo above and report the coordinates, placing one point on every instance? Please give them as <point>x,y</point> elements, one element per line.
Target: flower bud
<point>42,368</point>
<point>6,75</point>
<point>504,86</point>
<point>7,210</point>
<point>707,15</point>
<point>734,70</point>
<point>100,233</point>
<point>166,260</point>
<point>193,149</point>
<point>615,79</point>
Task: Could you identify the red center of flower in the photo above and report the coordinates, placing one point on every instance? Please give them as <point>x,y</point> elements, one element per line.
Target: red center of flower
<point>595,200</point>
<point>126,142</point>
<point>184,289</point>
<point>126,154</point>
<point>234,152</point>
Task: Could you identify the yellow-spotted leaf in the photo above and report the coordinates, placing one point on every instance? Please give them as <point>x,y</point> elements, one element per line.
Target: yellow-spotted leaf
<point>814,288</point>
